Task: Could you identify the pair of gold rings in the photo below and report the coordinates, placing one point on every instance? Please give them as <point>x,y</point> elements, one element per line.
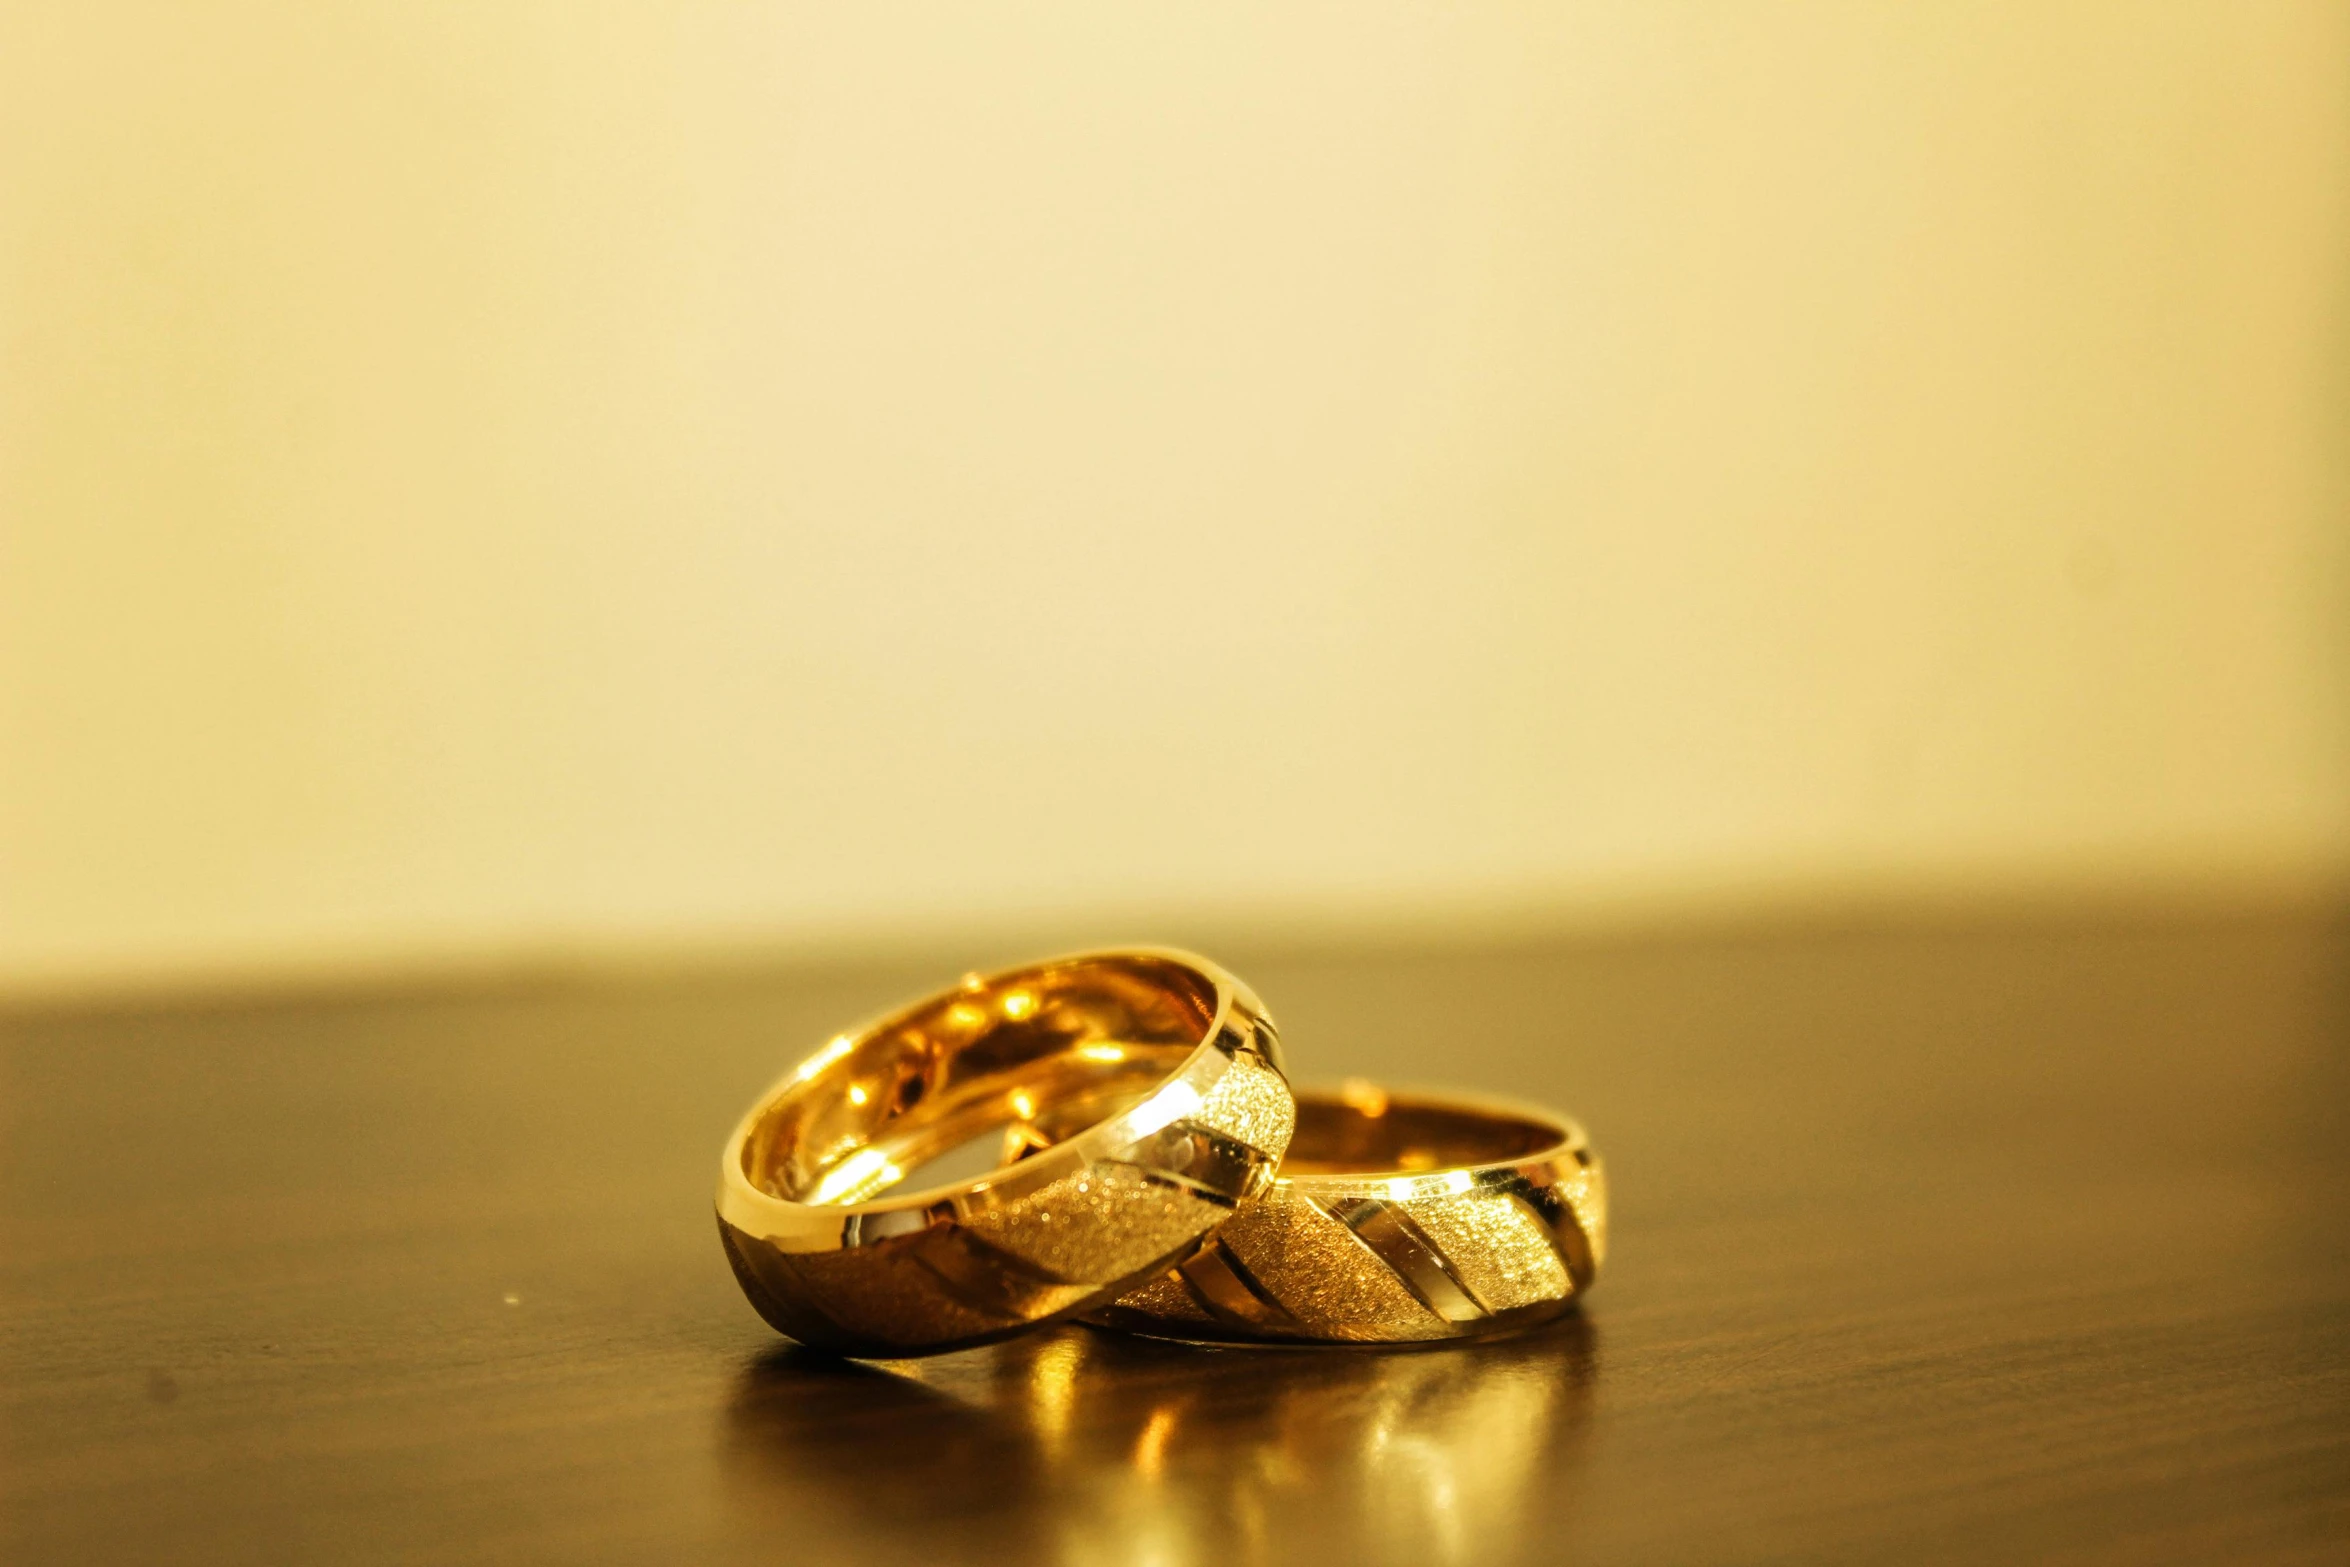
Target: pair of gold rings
<point>1152,1170</point>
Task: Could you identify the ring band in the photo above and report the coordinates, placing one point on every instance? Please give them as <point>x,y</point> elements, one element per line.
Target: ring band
<point>1398,1217</point>
<point>1147,1083</point>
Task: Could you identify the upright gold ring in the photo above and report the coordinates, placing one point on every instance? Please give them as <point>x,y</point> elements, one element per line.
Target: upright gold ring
<point>1144,1087</point>
<point>1398,1217</point>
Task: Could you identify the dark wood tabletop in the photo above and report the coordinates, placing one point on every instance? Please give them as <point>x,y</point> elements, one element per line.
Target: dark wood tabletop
<point>1962,1239</point>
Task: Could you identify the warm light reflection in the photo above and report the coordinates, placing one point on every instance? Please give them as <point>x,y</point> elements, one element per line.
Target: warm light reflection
<point>1075,1447</point>
<point>1018,1004</point>
<point>1052,1389</point>
<point>840,1046</point>
<point>1023,1104</point>
<point>1169,1105</point>
<point>855,1178</point>
<point>858,1093</point>
<point>1150,1450</point>
<point>1101,1052</point>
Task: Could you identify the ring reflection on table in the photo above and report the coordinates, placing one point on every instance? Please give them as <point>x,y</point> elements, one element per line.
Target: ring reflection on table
<point>1082,1446</point>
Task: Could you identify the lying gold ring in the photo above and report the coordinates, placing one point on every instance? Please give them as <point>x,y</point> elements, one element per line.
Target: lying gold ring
<point>1147,1082</point>
<point>1398,1217</point>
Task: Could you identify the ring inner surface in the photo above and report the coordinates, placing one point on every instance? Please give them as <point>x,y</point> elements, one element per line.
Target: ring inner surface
<point>1048,1051</point>
<point>1400,1136</point>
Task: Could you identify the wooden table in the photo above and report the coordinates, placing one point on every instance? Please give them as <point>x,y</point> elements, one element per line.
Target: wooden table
<point>1981,1240</point>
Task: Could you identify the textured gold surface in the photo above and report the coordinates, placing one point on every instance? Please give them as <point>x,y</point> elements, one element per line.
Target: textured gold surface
<point>1379,1236</point>
<point>1169,1297</point>
<point>1250,1103</point>
<point>1317,1271</point>
<point>1101,1223</point>
<point>1495,1246</point>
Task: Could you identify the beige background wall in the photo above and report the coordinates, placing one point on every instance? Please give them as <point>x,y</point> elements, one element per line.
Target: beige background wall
<point>481,477</point>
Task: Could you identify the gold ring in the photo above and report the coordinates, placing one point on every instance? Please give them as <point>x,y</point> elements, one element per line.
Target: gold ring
<point>1145,1085</point>
<point>1398,1217</point>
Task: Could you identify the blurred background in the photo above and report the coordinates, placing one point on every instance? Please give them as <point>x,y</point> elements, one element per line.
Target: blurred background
<point>499,485</point>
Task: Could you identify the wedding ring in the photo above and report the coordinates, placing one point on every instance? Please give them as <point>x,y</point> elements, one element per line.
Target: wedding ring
<point>1398,1217</point>
<point>1144,1087</point>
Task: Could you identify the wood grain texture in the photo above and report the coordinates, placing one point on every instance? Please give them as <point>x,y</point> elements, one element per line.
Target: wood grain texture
<point>1990,1242</point>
